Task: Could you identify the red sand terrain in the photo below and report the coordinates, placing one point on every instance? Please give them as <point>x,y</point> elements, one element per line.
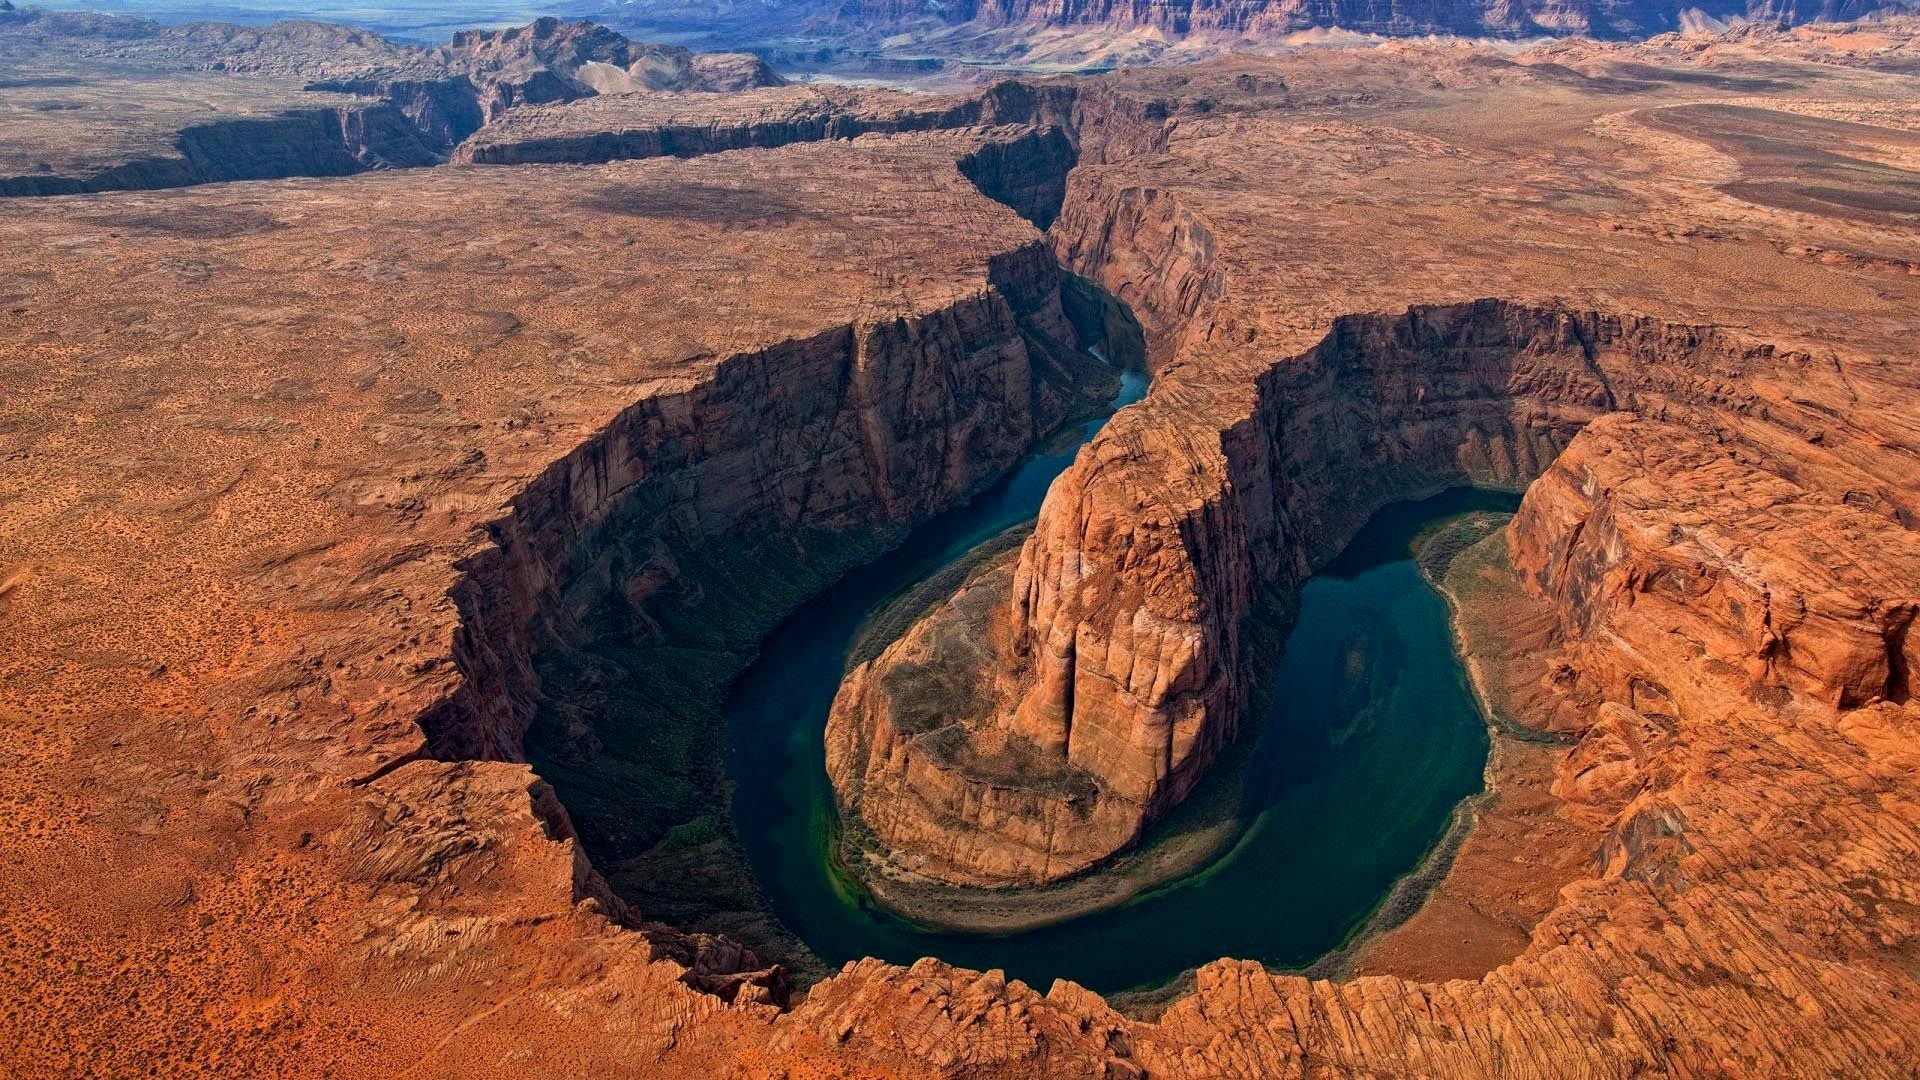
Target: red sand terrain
<point>304,477</point>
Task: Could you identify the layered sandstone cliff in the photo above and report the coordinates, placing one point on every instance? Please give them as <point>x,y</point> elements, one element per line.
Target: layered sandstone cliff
<point>1479,18</point>
<point>1119,663</point>
<point>921,752</point>
<point>618,126</point>
<point>825,445</point>
<point>335,141</point>
<point>1793,578</point>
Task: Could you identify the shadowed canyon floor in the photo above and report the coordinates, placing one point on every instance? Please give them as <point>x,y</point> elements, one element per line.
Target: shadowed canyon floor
<point>315,487</point>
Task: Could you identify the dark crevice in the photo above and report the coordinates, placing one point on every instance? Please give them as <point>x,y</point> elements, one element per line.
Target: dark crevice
<point>1027,174</point>
<point>1899,674</point>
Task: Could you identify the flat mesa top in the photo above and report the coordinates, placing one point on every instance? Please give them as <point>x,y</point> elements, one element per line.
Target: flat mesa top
<point>487,287</point>
<point>1776,198</point>
<point>81,94</point>
<point>72,117</point>
<point>208,387</point>
<point>796,103</point>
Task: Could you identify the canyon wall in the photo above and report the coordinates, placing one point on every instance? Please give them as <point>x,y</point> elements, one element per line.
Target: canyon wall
<point>1027,173</point>
<point>1474,18</point>
<point>1130,619</point>
<point>333,141</point>
<point>613,129</point>
<point>303,98</point>
<point>638,574</point>
<point>996,793</point>
<point>1123,630</point>
<point>1123,634</point>
<point>679,140</point>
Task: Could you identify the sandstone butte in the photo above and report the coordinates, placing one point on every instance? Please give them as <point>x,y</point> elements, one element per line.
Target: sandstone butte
<point>301,476</point>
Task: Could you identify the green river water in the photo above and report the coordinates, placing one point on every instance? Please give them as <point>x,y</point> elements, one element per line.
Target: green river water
<point>1351,777</point>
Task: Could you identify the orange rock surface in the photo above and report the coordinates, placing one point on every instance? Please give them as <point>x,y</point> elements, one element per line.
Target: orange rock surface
<point>281,464</point>
<point>105,103</point>
<point>1755,384</point>
<point>920,747</point>
<point>292,468</point>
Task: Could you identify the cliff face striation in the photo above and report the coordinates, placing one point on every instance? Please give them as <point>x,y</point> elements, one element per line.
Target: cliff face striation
<point>638,575</point>
<point>621,126</point>
<point>1477,18</point>
<point>335,141</point>
<point>1119,663</point>
<point>890,423</point>
<point>1722,525</point>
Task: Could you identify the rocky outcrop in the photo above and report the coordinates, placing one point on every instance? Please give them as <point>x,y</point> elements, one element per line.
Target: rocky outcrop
<point>843,439</point>
<point>308,142</point>
<point>731,73</point>
<point>1647,534</point>
<point>453,91</point>
<point>947,791</point>
<point>312,99</point>
<point>578,56</point>
<point>622,126</point>
<point>550,59</point>
<point>1123,636</point>
<point>1480,18</point>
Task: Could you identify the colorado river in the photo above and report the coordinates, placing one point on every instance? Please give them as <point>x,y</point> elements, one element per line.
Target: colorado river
<point>1372,740</point>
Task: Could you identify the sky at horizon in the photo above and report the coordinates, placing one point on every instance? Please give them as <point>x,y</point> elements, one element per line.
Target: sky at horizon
<point>425,21</point>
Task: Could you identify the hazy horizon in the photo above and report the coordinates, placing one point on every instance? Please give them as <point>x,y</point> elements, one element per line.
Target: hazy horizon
<point>426,23</point>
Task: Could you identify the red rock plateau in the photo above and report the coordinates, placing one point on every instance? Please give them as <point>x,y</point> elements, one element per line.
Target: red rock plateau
<point>309,481</point>
<point>104,103</point>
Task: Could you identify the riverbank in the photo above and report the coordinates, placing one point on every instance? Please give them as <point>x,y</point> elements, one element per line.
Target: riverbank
<point>1474,902</point>
<point>1345,778</point>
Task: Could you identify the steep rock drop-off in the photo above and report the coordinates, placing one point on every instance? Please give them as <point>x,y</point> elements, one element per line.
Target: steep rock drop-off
<point>1117,672</point>
<point>615,127</point>
<point>333,141</point>
<point>638,575</point>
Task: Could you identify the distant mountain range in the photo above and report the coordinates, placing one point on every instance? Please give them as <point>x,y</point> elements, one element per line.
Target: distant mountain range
<point>1260,18</point>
